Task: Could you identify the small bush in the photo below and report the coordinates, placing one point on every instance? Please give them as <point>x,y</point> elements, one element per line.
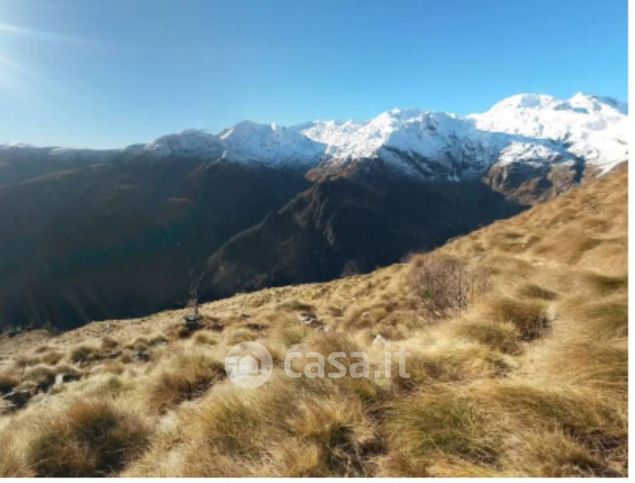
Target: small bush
<point>90,438</point>
<point>445,284</point>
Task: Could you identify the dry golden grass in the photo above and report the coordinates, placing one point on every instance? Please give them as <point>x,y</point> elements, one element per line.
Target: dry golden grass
<point>7,382</point>
<point>184,377</point>
<point>90,438</point>
<point>524,375</point>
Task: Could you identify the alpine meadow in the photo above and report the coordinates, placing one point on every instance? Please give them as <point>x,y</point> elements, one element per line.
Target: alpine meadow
<point>358,289</point>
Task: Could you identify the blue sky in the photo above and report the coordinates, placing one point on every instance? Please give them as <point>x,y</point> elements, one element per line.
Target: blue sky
<point>107,73</point>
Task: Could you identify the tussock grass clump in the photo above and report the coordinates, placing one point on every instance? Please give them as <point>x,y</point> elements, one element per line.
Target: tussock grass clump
<point>296,428</point>
<point>238,335</point>
<point>7,382</point>
<point>606,285</point>
<point>12,465</point>
<point>90,438</point>
<point>552,454</point>
<point>500,336</point>
<point>529,317</point>
<point>85,354</point>
<point>23,361</point>
<point>537,292</point>
<point>139,344</point>
<point>437,425</point>
<point>43,376</point>
<point>157,340</point>
<point>187,376</point>
<point>51,358</point>
<point>445,283</point>
<point>206,337</point>
<point>609,316</point>
<point>592,364</point>
<point>371,315</point>
<point>109,343</point>
<point>296,306</point>
<point>454,361</point>
<point>501,427</point>
<point>589,420</point>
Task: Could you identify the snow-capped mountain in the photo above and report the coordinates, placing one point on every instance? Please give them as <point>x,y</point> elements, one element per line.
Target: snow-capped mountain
<point>535,130</point>
<point>526,128</point>
<point>589,127</point>
<point>246,142</point>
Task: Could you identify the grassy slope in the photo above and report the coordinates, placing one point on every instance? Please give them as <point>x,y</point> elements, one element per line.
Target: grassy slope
<point>529,379</point>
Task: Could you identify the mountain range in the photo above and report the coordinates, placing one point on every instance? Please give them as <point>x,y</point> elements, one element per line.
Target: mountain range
<point>98,234</point>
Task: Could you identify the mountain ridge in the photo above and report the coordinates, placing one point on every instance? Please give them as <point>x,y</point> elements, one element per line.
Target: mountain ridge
<point>118,233</point>
<point>426,144</point>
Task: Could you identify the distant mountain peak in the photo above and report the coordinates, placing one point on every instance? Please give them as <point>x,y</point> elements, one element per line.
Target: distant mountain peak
<point>417,142</point>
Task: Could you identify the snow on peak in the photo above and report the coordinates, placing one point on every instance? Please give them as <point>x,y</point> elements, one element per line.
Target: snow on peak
<point>192,142</point>
<point>247,141</point>
<point>525,127</point>
<point>408,130</point>
<point>598,103</point>
<point>524,101</point>
<point>590,127</point>
<point>269,143</point>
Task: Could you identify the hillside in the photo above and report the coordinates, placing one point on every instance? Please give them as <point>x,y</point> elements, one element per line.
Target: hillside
<point>517,335</point>
<point>92,235</point>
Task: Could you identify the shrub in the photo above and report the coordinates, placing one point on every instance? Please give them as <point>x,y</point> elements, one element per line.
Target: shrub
<point>445,284</point>
<point>90,438</point>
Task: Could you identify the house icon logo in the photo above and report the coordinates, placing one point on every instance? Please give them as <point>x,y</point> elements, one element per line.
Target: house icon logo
<point>248,365</point>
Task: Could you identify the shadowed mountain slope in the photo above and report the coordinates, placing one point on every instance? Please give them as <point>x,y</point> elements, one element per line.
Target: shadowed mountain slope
<point>348,225</point>
<point>520,369</point>
<point>122,239</point>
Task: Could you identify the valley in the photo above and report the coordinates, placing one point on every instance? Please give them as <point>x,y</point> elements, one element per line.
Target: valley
<point>523,374</point>
<point>92,235</point>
